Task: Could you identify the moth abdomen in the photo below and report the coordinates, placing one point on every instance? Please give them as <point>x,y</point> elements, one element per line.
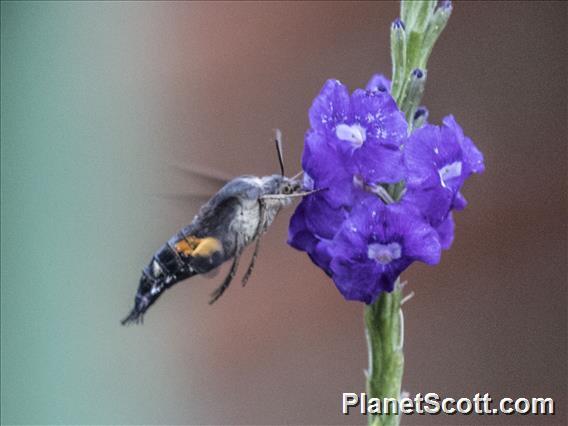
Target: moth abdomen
<point>180,258</point>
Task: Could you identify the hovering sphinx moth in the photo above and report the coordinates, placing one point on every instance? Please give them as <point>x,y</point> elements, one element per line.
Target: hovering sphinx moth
<point>235,217</point>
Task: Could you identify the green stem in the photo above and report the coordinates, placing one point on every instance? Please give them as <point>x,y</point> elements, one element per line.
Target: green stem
<point>383,321</point>
<point>411,44</point>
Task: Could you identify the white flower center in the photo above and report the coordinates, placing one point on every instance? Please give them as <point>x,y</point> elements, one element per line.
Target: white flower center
<point>355,134</point>
<point>308,181</point>
<point>384,253</point>
<point>450,171</point>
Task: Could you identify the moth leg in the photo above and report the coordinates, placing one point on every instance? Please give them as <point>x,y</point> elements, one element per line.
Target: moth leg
<point>259,232</point>
<point>239,246</point>
<point>221,289</point>
<point>248,273</point>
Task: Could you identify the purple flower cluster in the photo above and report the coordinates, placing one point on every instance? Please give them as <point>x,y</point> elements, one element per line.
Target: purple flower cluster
<point>388,197</point>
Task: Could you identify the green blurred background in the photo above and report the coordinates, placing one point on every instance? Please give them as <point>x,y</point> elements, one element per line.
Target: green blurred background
<point>99,104</point>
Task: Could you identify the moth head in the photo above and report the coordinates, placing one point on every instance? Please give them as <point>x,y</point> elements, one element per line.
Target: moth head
<point>289,186</point>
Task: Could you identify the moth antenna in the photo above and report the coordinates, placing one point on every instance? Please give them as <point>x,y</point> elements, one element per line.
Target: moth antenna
<point>297,175</point>
<point>278,142</point>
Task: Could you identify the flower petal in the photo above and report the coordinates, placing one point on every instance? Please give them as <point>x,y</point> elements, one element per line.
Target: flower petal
<point>378,112</point>
<point>446,232</point>
<point>355,281</point>
<point>472,156</point>
<point>330,107</point>
<point>299,236</point>
<point>378,164</point>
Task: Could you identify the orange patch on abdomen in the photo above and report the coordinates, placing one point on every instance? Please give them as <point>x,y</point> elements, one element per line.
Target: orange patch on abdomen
<point>186,245</point>
<point>192,246</point>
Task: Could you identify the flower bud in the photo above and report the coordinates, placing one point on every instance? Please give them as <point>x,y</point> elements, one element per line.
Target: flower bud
<point>398,55</point>
<point>420,117</point>
<point>398,23</point>
<point>435,27</point>
<point>416,84</point>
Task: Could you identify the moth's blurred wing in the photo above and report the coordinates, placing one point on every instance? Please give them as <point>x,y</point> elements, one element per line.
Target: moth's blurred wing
<point>188,202</point>
<point>203,175</point>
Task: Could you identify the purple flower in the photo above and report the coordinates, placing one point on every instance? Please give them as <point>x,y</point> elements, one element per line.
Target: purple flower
<point>375,244</point>
<point>438,160</point>
<point>471,155</point>
<point>389,197</point>
<point>359,136</point>
<point>312,227</point>
<point>435,167</point>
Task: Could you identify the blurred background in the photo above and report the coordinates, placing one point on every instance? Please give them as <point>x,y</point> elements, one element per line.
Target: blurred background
<point>103,102</point>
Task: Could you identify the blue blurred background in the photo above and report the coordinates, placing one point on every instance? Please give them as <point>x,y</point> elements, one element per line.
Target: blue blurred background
<point>101,101</point>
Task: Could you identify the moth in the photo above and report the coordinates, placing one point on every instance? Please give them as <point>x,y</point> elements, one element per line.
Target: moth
<point>235,217</point>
